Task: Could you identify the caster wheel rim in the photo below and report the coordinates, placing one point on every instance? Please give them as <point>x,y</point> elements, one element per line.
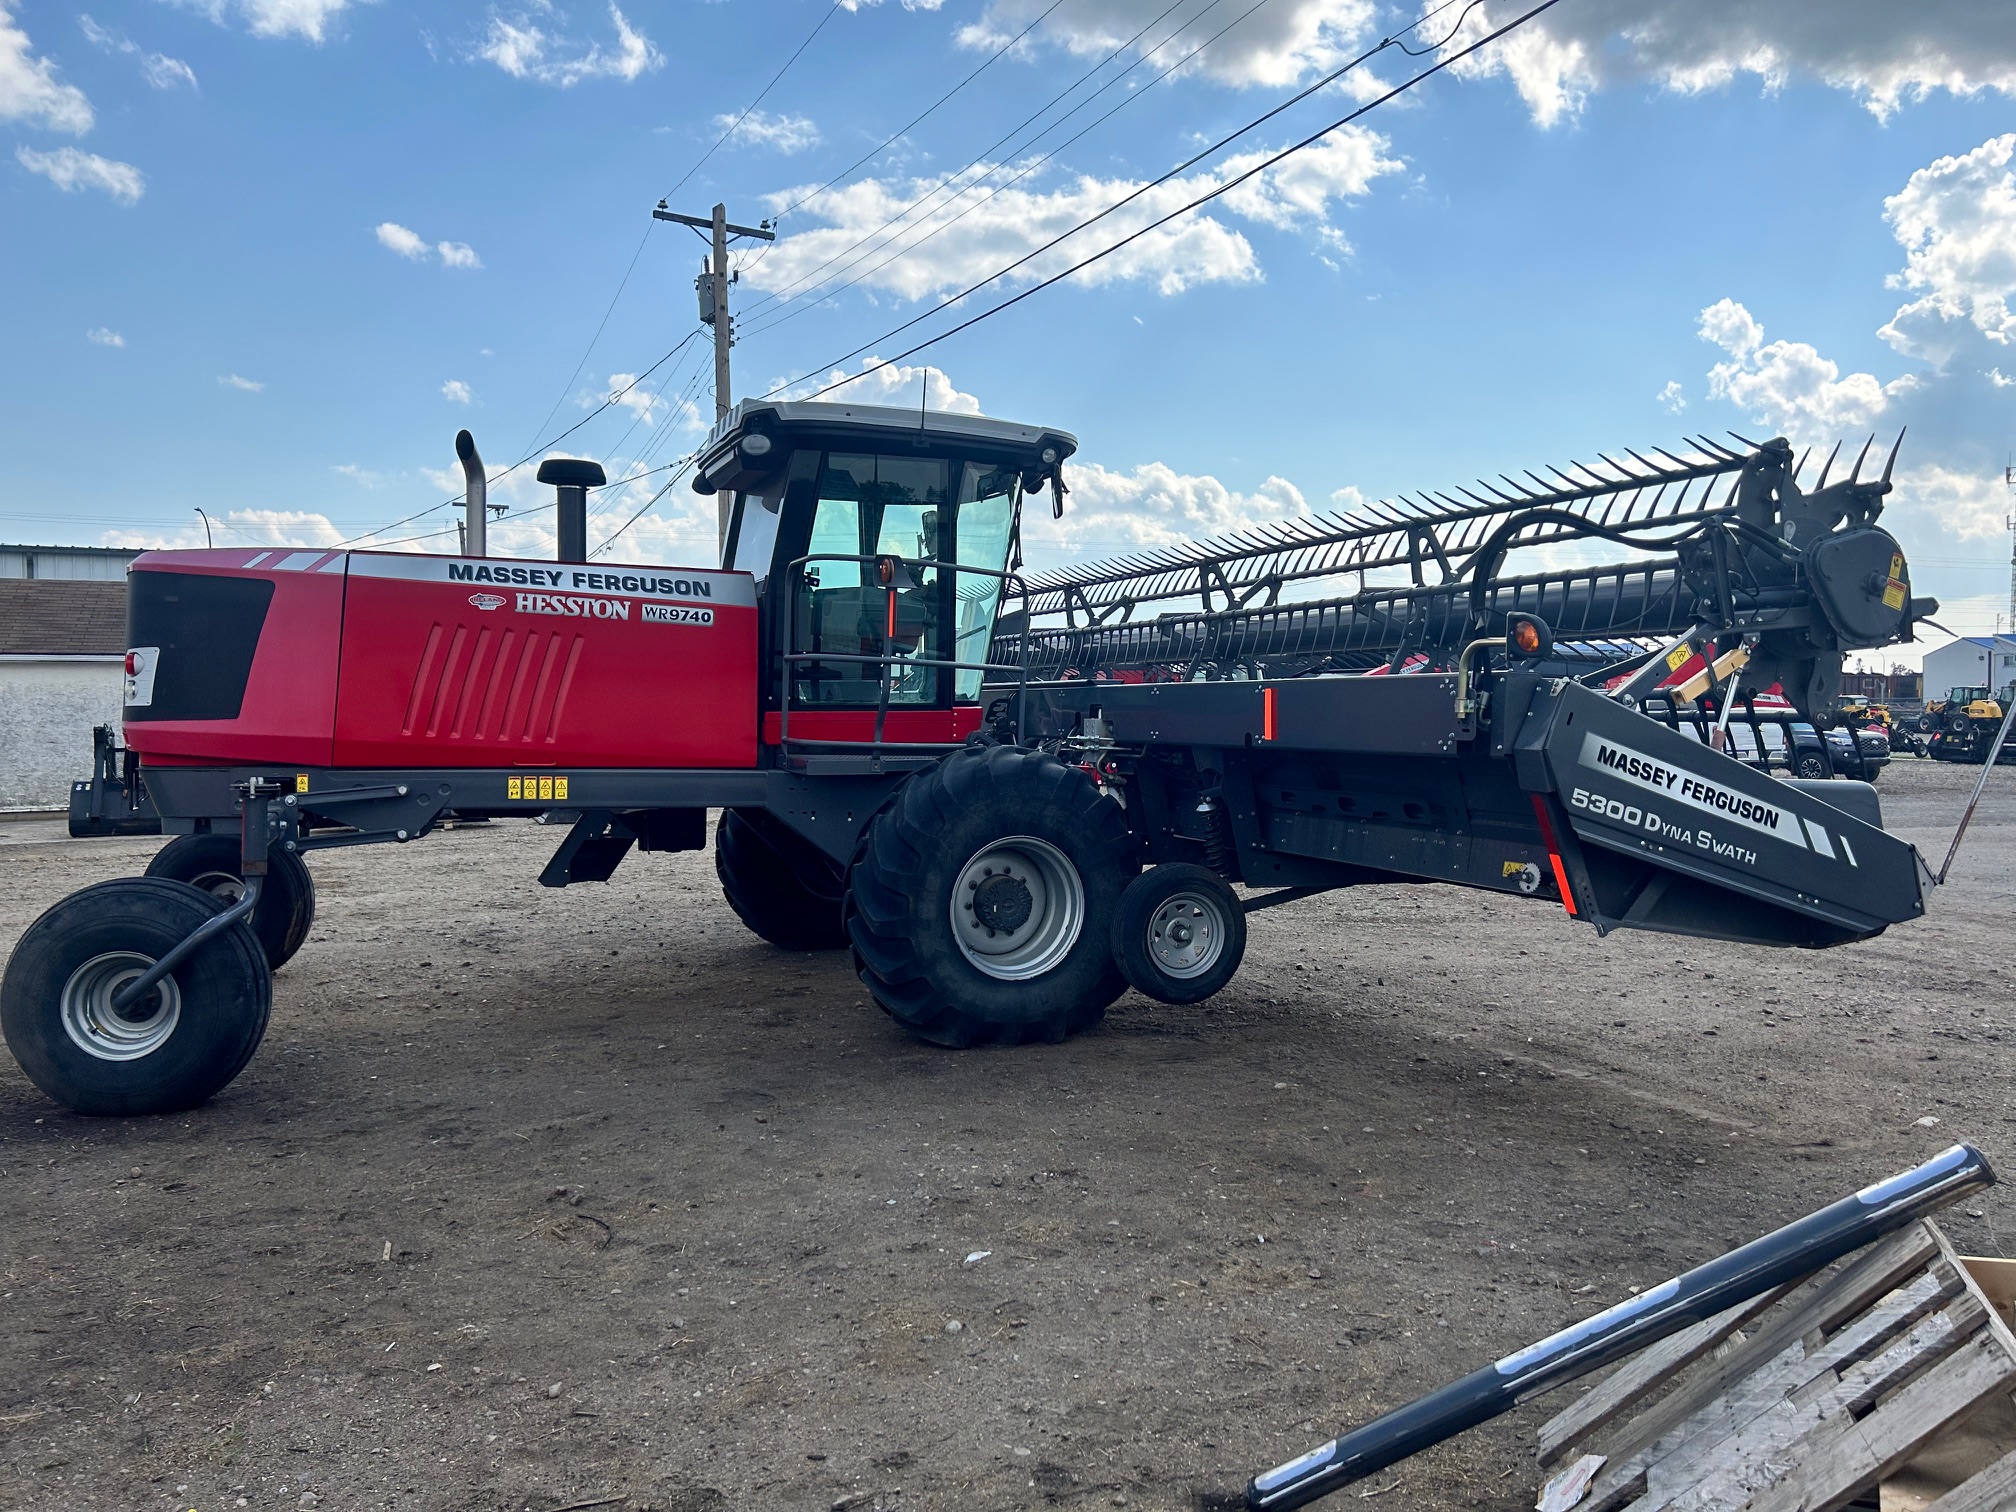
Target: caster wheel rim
<point>226,887</point>
<point>1018,906</point>
<point>100,1031</point>
<point>1186,935</point>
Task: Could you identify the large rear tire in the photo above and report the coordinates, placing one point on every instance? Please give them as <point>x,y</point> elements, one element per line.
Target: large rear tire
<point>178,1047</point>
<point>286,908</point>
<point>777,884</point>
<point>982,901</point>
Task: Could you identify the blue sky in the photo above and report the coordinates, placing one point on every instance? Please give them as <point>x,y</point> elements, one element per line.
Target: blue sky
<point>266,256</point>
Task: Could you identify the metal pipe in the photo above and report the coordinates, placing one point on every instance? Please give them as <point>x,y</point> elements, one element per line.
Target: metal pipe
<point>1463,704</point>
<point>216,924</point>
<point>1762,1265</point>
<point>573,526</point>
<point>1980,782</point>
<point>476,490</point>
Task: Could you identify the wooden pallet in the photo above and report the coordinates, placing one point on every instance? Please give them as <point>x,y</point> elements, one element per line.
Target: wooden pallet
<point>1801,1401</point>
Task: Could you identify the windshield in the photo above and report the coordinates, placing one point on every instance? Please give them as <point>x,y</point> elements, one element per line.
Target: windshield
<point>954,542</point>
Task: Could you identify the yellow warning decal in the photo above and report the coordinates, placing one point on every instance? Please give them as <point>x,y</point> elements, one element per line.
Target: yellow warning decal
<point>1678,657</point>
<point>1893,596</point>
<point>1513,868</point>
<point>536,789</point>
<point>1896,564</point>
<point>300,782</point>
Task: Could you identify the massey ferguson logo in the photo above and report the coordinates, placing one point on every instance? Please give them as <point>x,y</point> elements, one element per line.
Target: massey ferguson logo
<point>487,601</point>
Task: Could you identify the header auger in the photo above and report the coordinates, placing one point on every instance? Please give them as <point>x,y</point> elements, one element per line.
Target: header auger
<point>1005,826</point>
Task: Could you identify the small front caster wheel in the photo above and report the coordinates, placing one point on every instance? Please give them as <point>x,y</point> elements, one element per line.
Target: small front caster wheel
<point>1179,933</point>
<point>174,1048</point>
<point>286,907</point>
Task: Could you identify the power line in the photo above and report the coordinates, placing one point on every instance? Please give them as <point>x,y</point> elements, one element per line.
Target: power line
<point>1025,170</point>
<point>1202,199</point>
<point>535,451</point>
<point>682,464</point>
<point>914,120</point>
<point>784,294</point>
<point>621,285</point>
<point>1032,167</point>
<point>831,10</point>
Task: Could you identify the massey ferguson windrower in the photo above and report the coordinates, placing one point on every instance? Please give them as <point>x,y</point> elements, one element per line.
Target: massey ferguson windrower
<point>850,690</point>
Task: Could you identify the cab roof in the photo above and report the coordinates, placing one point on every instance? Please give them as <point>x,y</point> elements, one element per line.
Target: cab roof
<point>808,421</point>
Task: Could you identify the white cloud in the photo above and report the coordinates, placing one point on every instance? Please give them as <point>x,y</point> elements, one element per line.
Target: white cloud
<point>524,50</point>
<point>1788,384</point>
<point>232,380</point>
<point>105,336</point>
<point>1278,44</point>
<point>909,5</point>
<point>164,72</point>
<point>1673,398</point>
<point>361,476</point>
<point>626,391</point>
<point>412,245</point>
<point>1731,327</point>
<point>903,387</point>
<point>1956,221</point>
<point>1972,505</point>
<point>73,171</point>
<point>785,133</point>
<point>30,92</point>
<point>396,237</point>
<point>974,230</point>
<point>159,70</point>
<point>1110,512</point>
<point>247,527</point>
<point>306,19</point>
<point>455,391</point>
<point>1882,52</point>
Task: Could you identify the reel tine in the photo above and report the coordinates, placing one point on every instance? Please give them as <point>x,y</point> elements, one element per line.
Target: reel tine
<point>1827,467</point>
<point>1894,449</point>
<point>1857,473</point>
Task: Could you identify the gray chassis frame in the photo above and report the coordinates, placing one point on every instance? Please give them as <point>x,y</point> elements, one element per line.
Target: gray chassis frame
<point>1366,779</point>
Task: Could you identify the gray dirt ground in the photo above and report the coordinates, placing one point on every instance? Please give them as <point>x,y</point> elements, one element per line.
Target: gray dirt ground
<point>590,1199</point>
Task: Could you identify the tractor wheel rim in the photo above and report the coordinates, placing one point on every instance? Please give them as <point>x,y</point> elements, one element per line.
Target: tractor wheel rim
<point>226,887</point>
<point>1186,935</point>
<point>1018,906</point>
<point>99,1030</point>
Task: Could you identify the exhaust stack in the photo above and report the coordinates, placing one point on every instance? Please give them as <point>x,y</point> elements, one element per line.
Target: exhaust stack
<point>476,488</point>
<point>571,478</point>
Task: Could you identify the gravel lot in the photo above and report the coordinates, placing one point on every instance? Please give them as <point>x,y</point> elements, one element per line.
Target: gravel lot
<point>589,1199</point>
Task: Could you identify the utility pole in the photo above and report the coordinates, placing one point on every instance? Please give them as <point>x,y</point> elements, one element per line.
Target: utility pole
<point>713,288</point>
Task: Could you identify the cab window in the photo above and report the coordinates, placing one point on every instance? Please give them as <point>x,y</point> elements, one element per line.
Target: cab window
<point>870,506</point>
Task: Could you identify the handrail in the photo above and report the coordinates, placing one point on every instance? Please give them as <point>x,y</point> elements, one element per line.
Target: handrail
<point>889,659</point>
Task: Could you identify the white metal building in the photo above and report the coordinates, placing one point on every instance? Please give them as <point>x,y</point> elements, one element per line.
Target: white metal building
<point>62,655</point>
<point>105,564</point>
<point>1973,660</point>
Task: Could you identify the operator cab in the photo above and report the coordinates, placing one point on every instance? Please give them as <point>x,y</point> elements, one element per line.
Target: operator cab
<point>882,542</point>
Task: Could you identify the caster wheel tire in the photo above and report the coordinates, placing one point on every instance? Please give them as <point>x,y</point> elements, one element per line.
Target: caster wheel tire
<point>286,907</point>
<point>171,1051</point>
<point>764,871</point>
<point>1179,933</point>
<point>981,902</point>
